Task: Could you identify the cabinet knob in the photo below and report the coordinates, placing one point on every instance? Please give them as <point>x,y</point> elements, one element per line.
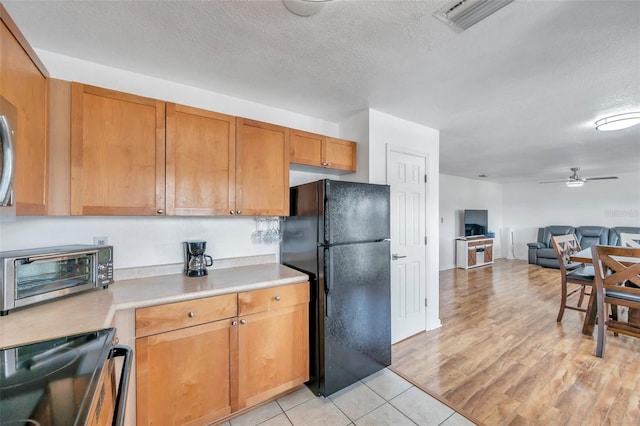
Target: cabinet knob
<point>328,164</point>
<point>191,314</point>
<point>234,322</point>
<point>243,321</point>
<point>159,211</point>
<point>238,211</point>
<point>278,298</point>
<point>232,212</point>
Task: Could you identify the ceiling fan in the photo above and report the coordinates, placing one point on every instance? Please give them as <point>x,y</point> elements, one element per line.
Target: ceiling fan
<point>575,180</point>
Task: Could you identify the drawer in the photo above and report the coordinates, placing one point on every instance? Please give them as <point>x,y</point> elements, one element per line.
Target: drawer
<point>172,316</point>
<point>252,302</point>
<point>479,243</point>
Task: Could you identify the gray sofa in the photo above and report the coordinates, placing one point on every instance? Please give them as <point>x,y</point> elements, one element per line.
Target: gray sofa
<point>541,252</point>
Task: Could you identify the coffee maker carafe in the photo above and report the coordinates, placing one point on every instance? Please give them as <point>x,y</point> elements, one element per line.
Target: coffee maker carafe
<point>196,261</point>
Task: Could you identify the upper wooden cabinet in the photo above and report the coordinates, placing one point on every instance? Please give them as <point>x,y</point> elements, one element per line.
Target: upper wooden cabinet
<point>117,153</point>
<point>24,84</point>
<point>311,149</point>
<point>340,154</point>
<point>262,169</point>
<point>201,151</point>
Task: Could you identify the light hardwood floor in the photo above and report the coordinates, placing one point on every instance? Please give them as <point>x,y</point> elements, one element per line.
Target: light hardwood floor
<point>501,357</point>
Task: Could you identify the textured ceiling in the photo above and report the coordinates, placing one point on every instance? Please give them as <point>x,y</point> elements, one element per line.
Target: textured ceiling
<point>514,97</point>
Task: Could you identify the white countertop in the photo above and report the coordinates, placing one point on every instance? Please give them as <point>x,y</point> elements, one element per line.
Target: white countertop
<point>96,309</point>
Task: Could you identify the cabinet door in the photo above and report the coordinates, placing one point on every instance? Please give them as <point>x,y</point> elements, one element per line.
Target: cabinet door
<point>117,153</point>
<point>306,148</point>
<point>471,259</point>
<point>340,154</point>
<point>24,84</point>
<point>200,161</point>
<point>488,253</point>
<point>262,169</point>
<point>273,353</point>
<point>183,376</point>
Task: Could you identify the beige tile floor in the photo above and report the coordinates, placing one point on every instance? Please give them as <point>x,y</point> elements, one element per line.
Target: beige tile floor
<point>384,398</point>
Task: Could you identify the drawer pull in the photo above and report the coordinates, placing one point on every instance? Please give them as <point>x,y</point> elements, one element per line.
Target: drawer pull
<point>278,298</point>
<point>243,321</point>
<point>191,314</point>
<point>234,323</point>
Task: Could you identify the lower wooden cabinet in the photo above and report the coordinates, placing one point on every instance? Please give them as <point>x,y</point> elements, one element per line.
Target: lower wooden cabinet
<point>183,376</point>
<point>201,360</point>
<point>273,353</point>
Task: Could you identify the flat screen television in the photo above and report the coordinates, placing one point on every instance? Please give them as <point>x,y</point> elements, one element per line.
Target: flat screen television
<point>476,222</point>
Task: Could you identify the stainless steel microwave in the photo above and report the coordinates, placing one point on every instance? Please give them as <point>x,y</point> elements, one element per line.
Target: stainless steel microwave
<point>35,275</point>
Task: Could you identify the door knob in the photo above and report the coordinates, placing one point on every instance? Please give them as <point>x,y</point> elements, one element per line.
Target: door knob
<point>396,257</point>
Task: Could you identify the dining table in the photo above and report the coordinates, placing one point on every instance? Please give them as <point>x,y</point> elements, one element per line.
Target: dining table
<point>584,256</point>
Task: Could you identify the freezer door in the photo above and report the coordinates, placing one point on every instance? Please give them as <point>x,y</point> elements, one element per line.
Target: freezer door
<point>353,212</point>
<point>300,230</point>
<point>357,313</point>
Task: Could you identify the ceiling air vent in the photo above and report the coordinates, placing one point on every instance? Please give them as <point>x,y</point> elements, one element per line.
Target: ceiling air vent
<point>461,14</point>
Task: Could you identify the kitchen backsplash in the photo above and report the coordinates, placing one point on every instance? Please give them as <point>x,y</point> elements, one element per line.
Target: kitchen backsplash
<point>138,241</point>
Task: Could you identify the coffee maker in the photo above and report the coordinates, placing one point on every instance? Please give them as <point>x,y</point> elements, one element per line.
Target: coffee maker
<point>196,261</point>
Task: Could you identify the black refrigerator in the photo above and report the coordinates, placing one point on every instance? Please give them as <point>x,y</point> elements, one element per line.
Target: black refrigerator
<point>338,233</point>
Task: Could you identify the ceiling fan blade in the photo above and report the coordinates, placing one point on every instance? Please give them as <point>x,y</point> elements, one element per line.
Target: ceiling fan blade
<point>602,178</point>
<point>555,181</point>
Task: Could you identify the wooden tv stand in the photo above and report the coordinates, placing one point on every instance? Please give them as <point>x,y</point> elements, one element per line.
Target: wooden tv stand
<point>474,251</point>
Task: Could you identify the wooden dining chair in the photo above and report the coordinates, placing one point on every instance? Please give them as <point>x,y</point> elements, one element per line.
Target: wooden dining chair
<point>629,240</point>
<point>574,277</point>
<point>617,282</point>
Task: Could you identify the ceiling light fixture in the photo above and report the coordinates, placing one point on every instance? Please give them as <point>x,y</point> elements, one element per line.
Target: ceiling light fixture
<point>574,183</point>
<point>461,14</point>
<point>304,7</point>
<point>619,121</point>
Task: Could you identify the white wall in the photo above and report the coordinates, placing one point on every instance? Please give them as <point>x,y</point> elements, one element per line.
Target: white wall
<point>528,206</point>
<point>143,241</point>
<point>356,128</point>
<point>385,129</point>
<point>72,69</point>
<point>458,194</point>
<point>137,241</point>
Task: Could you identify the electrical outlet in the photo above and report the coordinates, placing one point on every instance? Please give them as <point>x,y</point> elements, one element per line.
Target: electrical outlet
<point>100,241</point>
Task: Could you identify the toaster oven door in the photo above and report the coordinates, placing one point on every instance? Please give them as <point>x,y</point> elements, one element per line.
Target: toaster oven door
<point>41,278</point>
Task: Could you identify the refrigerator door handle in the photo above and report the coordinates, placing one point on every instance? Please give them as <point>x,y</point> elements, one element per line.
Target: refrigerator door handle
<point>328,260</point>
<point>327,308</point>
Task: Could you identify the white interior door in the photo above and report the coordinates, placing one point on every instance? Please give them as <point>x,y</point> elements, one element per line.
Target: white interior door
<point>406,176</point>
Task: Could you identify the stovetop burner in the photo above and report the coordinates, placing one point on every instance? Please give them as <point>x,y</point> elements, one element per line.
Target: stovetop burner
<point>51,382</point>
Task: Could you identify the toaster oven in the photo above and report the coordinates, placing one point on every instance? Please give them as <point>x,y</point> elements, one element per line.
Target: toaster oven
<point>35,275</point>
